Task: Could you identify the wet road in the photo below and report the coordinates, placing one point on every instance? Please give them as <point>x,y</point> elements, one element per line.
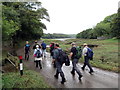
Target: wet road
<point>100,78</point>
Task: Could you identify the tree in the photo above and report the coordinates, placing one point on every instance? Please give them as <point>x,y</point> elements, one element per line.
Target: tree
<point>115,25</point>
<point>103,28</point>
<point>22,20</point>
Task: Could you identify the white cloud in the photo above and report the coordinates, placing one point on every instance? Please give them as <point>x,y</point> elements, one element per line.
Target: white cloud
<point>74,16</point>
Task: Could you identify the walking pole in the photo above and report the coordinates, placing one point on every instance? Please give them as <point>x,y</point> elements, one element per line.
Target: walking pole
<point>21,66</point>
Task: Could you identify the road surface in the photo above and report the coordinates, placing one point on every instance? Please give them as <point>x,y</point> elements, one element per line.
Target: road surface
<point>100,78</point>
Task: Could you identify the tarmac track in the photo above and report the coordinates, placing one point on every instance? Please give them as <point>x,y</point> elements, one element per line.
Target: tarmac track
<point>100,78</point>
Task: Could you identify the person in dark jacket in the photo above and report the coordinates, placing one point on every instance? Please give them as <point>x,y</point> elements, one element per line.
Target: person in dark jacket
<point>34,47</point>
<point>75,61</point>
<point>43,49</point>
<point>27,50</point>
<point>52,48</point>
<point>52,45</point>
<point>58,64</point>
<point>36,43</point>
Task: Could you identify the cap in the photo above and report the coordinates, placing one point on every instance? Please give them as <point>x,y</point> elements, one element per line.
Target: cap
<point>73,43</point>
<point>85,44</point>
<point>35,41</point>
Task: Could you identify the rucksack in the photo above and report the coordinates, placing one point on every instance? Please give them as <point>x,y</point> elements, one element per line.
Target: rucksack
<point>43,46</point>
<point>63,57</point>
<point>38,54</point>
<point>79,52</point>
<point>67,61</point>
<point>90,53</point>
<point>52,47</point>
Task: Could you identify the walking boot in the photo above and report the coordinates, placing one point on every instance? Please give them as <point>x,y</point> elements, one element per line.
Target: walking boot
<point>40,67</point>
<point>73,73</point>
<point>63,80</point>
<point>56,76</point>
<point>80,77</point>
<point>82,68</point>
<point>91,72</point>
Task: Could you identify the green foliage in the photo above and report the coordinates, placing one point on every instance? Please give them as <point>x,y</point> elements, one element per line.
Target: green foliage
<point>9,24</point>
<point>9,28</point>
<point>115,25</point>
<point>22,20</point>
<point>88,33</point>
<point>108,28</point>
<point>102,29</point>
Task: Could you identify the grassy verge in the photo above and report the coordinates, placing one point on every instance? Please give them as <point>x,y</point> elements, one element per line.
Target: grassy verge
<point>30,79</point>
<point>105,55</point>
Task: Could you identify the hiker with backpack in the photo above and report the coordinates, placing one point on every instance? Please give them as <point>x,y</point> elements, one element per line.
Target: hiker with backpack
<point>52,48</point>
<point>43,48</point>
<point>34,46</point>
<point>75,58</point>
<point>36,43</point>
<point>27,50</point>
<point>52,45</point>
<point>59,63</point>
<point>88,55</point>
<point>38,56</point>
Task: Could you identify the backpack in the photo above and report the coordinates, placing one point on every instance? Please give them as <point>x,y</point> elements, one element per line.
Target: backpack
<point>79,52</point>
<point>90,53</point>
<point>52,47</point>
<point>67,61</point>
<point>63,57</point>
<point>38,54</point>
<point>43,46</point>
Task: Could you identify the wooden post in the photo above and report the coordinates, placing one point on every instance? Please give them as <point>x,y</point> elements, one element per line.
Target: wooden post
<point>21,65</point>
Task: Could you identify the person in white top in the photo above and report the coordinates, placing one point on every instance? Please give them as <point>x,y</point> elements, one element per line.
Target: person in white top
<point>86,59</point>
<point>38,56</point>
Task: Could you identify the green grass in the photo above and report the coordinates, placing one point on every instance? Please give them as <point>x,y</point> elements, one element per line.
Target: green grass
<point>107,51</point>
<point>30,79</point>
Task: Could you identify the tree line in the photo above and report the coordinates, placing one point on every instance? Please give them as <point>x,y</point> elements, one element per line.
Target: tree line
<point>109,28</point>
<point>22,20</point>
<point>57,35</point>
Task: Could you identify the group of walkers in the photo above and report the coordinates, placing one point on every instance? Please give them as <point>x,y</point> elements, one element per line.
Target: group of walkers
<point>39,52</point>
<point>55,53</point>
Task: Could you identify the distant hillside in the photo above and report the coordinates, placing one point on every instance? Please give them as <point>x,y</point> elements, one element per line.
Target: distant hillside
<point>58,35</point>
<point>72,35</point>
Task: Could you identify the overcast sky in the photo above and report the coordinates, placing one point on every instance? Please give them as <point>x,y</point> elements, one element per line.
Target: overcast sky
<point>74,16</point>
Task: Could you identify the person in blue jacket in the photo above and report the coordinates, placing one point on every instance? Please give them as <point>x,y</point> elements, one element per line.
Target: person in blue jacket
<point>43,48</point>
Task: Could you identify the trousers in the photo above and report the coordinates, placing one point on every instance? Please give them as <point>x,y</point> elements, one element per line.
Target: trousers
<point>86,63</point>
<point>75,68</point>
<point>59,69</point>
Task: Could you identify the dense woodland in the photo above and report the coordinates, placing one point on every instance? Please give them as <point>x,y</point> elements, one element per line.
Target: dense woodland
<point>109,28</point>
<point>22,20</point>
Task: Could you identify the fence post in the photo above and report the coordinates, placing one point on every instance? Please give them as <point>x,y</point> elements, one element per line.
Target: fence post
<point>21,65</point>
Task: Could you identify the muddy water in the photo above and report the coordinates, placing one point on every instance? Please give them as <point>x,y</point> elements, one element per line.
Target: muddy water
<point>100,78</point>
